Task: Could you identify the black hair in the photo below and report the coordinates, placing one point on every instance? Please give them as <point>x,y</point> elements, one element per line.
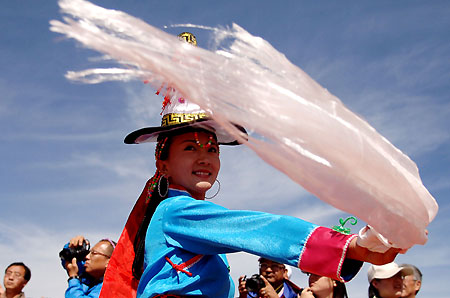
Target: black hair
<point>27,275</point>
<point>139,240</point>
<point>340,291</point>
<point>373,292</point>
<point>156,198</point>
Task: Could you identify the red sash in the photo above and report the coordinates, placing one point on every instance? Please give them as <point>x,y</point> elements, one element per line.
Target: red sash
<point>118,280</point>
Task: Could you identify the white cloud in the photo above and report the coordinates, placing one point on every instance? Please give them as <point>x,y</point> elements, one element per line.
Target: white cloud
<point>143,105</point>
<point>131,166</point>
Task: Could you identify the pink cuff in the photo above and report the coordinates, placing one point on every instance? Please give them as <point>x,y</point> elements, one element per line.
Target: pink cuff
<point>324,254</point>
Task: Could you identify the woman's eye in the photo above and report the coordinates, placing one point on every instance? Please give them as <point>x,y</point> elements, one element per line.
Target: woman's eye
<point>213,149</point>
<point>189,148</point>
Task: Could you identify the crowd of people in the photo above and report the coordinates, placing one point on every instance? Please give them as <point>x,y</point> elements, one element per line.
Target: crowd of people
<point>273,281</point>
<point>385,281</point>
<point>85,269</point>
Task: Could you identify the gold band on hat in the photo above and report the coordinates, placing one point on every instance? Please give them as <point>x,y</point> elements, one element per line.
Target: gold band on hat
<point>178,118</point>
<point>188,37</point>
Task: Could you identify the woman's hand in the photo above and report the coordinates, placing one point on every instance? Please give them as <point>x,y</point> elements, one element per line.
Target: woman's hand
<point>307,293</point>
<point>268,291</point>
<point>360,253</point>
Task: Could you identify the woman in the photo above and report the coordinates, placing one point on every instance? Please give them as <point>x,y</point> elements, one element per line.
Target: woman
<point>324,287</point>
<point>386,281</point>
<point>181,241</point>
<point>174,242</point>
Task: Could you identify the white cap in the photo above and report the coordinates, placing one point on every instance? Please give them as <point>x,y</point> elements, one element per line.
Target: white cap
<point>289,271</point>
<point>386,271</point>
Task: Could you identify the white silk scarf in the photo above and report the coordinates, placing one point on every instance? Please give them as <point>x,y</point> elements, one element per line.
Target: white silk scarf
<point>294,124</point>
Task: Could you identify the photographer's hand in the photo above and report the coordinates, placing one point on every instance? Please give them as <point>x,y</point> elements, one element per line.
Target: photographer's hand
<point>77,241</point>
<point>72,268</point>
<point>268,291</point>
<point>242,289</point>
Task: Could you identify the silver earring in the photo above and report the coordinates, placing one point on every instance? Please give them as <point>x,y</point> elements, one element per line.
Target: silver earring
<point>159,187</point>
<point>218,183</point>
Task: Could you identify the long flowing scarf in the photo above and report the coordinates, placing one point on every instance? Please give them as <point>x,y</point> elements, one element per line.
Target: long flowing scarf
<point>295,124</point>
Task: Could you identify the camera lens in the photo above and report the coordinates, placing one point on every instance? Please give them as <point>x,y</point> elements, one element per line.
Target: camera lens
<point>254,283</point>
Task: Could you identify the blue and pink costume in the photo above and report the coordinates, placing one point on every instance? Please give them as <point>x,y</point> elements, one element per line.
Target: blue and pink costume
<point>187,240</point>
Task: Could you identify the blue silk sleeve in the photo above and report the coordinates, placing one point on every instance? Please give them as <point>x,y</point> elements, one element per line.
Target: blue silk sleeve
<point>205,228</point>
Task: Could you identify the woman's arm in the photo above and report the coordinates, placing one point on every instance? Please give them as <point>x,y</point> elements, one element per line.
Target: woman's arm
<point>206,228</point>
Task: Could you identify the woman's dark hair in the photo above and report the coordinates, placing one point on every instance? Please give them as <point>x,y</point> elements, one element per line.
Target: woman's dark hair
<point>156,198</point>
<point>139,240</point>
<point>340,291</point>
<point>373,292</point>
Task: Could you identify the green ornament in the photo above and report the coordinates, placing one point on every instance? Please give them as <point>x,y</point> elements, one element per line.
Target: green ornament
<point>341,228</point>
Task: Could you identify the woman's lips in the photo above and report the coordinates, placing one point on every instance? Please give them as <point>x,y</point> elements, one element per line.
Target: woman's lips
<point>202,173</point>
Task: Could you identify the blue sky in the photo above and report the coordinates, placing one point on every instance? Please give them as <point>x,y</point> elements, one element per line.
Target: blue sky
<point>65,170</point>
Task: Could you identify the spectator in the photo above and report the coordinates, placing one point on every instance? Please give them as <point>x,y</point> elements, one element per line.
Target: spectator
<point>88,283</point>
<point>324,287</point>
<point>386,281</point>
<point>411,282</point>
<point>16,277</point>
<point>275,277</point>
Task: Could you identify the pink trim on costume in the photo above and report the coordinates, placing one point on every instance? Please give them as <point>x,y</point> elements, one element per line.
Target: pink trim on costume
<point>324,252</point>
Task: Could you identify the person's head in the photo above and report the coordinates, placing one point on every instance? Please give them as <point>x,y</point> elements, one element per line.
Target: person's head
<point>16,277</point>
<point>274,272</point>
<point>189,158</point>
<point>386,281</point>
<point>323,286</point>
<point>98,258</point>
<point>411,282</point>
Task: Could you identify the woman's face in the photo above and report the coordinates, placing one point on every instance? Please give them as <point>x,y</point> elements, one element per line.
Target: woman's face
<point>321,286</point>
<point>389,287</point>
<point>193,162</point>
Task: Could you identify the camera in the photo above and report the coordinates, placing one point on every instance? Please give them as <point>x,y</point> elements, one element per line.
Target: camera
<point>78,252</point>
<point>254,283</point>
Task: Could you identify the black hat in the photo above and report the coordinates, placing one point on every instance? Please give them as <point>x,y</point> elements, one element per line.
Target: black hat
<point>180,114</point>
